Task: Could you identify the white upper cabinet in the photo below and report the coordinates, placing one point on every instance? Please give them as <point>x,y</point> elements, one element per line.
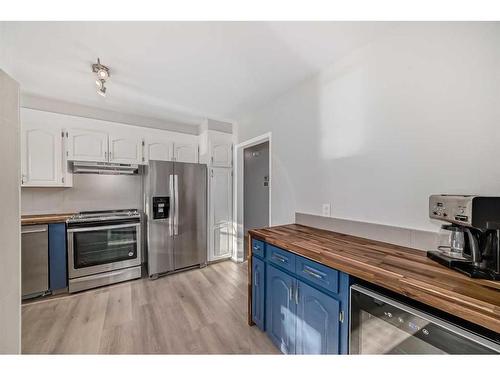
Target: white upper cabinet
<point>186,152</point>
<point>160,150</point>
<point>41,161</point>
<point>220,213</point>
<point>222,154</point>
<point>87,145</point>
<point>43,151</point>
<point>50,140</point>
<point>216,148</point>
<point>126,150</point>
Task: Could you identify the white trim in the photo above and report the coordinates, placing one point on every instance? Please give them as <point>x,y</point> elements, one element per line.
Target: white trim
<point>238,229</point>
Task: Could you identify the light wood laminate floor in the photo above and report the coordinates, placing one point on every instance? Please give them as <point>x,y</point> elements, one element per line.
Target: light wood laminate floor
<point>201,311</point>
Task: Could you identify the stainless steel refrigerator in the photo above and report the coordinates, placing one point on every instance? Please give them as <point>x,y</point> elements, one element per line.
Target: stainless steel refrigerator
<point>176,216</point>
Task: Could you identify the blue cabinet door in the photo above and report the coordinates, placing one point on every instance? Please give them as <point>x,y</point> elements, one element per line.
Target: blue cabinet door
<point>280,309</point>
<point>258,289</point>
<point>57,257</point>
<point>317,322</point>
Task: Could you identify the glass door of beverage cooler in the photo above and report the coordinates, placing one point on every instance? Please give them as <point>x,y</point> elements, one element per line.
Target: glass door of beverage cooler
<point>382,325</point>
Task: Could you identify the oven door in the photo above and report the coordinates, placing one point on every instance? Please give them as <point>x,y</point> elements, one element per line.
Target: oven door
<point>382,325</point>
<point>93,250</point>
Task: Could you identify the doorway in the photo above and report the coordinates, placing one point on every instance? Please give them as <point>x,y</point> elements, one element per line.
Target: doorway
<point>255,189</point>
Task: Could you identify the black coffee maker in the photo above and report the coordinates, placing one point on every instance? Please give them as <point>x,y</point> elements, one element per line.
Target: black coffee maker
<point>474,226</point>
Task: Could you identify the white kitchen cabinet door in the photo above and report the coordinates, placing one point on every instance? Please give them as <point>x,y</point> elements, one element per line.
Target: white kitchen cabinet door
<point>126,150</point>
<point>220,213</point>
<point>186,152</point>
<point>87,145</point>
<point>160,151</point>
<point>41,160</point>
<point>222,155</point>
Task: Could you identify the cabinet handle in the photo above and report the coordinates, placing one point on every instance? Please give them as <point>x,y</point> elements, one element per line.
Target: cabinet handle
<point>280,258</point>
<point>297,295</point>
<point>290,293</point>
<point>256,280</point>
<point>313,274</point>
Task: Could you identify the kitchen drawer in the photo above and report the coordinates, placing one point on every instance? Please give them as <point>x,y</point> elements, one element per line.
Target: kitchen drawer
<point>280,258</point>
<point>258,248</point>
<point>317,274</point>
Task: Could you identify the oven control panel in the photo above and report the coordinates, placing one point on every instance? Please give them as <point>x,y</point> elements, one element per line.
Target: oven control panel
<point>161,207</point>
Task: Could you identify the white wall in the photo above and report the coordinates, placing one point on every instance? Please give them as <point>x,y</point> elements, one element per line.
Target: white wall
<point>387,125</point>
<point>10,245</point>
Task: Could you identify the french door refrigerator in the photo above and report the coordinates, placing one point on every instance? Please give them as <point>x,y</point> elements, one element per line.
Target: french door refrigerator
<point>176,216</point>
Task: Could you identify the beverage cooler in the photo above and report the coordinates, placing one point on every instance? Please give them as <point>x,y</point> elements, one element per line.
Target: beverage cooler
<point>383,325</point>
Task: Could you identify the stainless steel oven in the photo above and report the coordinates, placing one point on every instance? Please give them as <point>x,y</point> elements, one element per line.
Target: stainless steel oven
<point>380,324</point>
<point>103,247</point>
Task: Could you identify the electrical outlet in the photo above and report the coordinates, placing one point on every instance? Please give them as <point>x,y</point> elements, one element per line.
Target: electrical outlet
<point>326,209</point>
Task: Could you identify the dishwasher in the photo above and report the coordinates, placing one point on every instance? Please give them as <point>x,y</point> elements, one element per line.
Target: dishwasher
<point>34,260</point>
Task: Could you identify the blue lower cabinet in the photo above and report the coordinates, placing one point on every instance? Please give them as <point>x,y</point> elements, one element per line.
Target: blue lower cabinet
<point>306,305</point>
<point>317,322</point>
<point>258,292</point>
<point>258,248</point>
<point>280,309</point>
<point>58,278</point>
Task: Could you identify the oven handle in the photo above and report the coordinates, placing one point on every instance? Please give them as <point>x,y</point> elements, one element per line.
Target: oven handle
<point>89,229</point>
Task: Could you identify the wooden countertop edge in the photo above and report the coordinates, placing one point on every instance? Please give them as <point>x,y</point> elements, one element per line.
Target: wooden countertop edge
<point>45,218</point>
<point>467,308</point>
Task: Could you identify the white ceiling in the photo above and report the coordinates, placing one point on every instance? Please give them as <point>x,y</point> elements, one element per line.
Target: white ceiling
<point>181,71</point>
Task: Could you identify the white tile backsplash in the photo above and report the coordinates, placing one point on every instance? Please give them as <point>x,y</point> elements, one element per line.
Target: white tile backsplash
<point>417,239</point>
<point>89,192</point>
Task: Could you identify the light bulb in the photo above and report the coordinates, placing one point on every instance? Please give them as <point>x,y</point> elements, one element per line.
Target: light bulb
<point>102,74</point>
<point>99,83</point>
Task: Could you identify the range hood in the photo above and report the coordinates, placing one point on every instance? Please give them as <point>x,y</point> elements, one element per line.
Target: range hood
<point>104,168</point>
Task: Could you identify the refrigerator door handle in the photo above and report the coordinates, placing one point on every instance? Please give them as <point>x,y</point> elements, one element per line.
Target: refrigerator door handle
<point>176,205</point>
<point>172,196</point>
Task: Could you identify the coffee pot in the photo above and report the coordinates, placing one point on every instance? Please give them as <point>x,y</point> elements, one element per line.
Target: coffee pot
<point>470,241</point>
<point>452,241</point>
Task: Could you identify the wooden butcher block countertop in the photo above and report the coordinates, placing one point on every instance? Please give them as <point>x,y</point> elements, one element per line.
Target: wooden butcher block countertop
<point>400,269</point>
<point>44,219</point>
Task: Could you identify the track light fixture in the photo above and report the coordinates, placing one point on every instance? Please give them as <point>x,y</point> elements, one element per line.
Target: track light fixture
<point>102,73</point>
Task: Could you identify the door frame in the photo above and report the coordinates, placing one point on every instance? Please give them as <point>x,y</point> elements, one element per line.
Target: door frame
<point>238,198</point>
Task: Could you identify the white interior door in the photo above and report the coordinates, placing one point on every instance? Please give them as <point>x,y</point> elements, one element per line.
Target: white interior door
<point>222,155</point>
<point>41,161</point>
<point>186,152</point>
<point>87,145</point>
<point>127,150</point>
<point>160,151</point>
<point>220,213</point>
